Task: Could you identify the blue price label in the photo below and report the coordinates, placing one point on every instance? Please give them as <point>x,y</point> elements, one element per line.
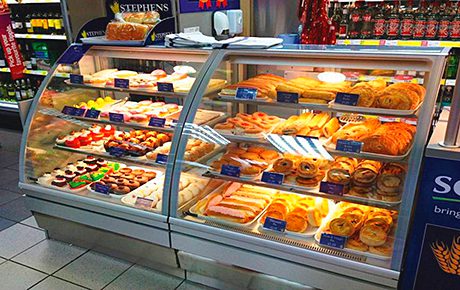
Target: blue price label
<point>116,151</point>
<point>272,177</point>
<point>157,122</point>
<point>246,94</point>
<point>274,224</point>
<point>143,202</point>
<point>116,117</point>
<point>76,79</point>
<point>161,159</point>
<point>346,99</point>
<point>331,188</point>
<point>79,112</point>
<point>230,170</point>
<point>101,188</point>
<point>121,83</point>
<point>348,146</point>
<point>67,110</point>
<point>287,97</point>
<point>165,87</point>
<point>92,114</point>
<point>332,241</point>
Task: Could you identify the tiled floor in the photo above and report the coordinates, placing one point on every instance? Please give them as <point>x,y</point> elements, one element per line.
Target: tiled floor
<point>30,261</point>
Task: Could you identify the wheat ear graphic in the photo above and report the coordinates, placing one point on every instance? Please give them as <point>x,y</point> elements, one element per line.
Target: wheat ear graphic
<point>454,256</point>
<point>442,255</point>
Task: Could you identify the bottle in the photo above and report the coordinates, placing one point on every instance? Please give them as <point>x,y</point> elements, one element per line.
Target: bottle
<point>45,26</point>
<point>27,56</point>
<point>19,23</point>
<point>30,89</point>
<point>367,26</point>
<point>455,24</point>
<point>336,18</point>
<point>23,89</point>
<point>420,22</point>
<point>50,20</point>
<point>444,22</point>
<point>34,23</point>
<point>33,59</point>
<point>343,26</point>
<point>354,27</point>
<point>378,31</point>
<point>10,91</point>
<point>13,20</point>
<point>393,23</point>
<point>28,23</point>
<point>407,22</point>
<point>432,23</point>
<point>452,66</point>
<point>58,27</point>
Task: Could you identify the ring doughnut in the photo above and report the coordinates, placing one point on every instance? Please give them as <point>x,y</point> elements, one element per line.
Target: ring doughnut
<point>125,170</point>
<point>129,176</point>
<point>138,171</point>
<point>150,174</point>
<point>283,165</point>
<point>121,190</point>
<point>307,169</point>
<point>116,175</point>
<point>141,179</point>
<point>133,184</point>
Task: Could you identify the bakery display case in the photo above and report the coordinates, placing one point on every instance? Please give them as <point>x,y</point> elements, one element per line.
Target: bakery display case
<point>98,139</point>
<point>314,172</point>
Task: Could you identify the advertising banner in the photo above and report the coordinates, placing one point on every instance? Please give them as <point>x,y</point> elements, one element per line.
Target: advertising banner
<point>190,6</point>
<point>433,248</point>
<point>10,46</point>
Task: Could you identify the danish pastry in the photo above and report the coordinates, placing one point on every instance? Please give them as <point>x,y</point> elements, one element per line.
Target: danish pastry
<point>372,235</point>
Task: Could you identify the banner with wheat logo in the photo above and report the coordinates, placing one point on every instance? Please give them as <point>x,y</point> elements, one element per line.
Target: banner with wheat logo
<point>448,258</point>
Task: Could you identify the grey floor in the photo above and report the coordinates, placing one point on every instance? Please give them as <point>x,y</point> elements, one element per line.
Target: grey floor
<point>30,261</point>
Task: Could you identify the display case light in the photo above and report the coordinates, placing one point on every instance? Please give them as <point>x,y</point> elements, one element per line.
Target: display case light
<point>331,77</point>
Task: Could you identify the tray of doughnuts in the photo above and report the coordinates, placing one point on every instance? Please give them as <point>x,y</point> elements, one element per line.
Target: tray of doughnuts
<point>399,99</point>
<point>250,126</point>
<point>303,214</point>
<point>137,143</point>
<point>234,204</point>
<point>126,180</point>
<point>251,159</point>
<point>369,231</point>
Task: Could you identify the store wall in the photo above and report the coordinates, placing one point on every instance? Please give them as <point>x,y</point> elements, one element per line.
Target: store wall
<point>81,11</point>
<point>273,17</point>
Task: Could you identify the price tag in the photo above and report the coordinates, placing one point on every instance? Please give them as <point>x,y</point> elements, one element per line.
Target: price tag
<point>76,79</point>
<point>230,170</point>
<point>355,41</point>
<point>116,117</point>
<point>349,146</point>
<point>332,241</point>
<point>157,122</point>
<point>92,114</point>
<point>79,112</point>
<point>246,94</point>
<point>274,224</point>
<point>165,87</point>
<point>67,110</point>
<point>121,83</point>
<point>391,43</point>
<point>116,151</point>
<point>424,43</point>
<point>272,177</point>
<point>285,97</point>
<point>346,99</point>
<point>331,188</point>
<point>161,159</point>
<point>143,202</point>
<point>435,43</point>
<point>101,188</point>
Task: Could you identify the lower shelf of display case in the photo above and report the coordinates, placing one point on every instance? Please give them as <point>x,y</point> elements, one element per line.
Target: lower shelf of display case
<point>306,191</point>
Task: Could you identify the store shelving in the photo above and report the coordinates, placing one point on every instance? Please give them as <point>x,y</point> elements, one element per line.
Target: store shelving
<point>395,42</point>
<point>37,72</point>
<point>40,36</point>
<point>9,106</point>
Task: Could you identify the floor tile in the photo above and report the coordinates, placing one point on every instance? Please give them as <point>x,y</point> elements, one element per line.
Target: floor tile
<point>18,238</point>
<point>7,196</point>
<point>8,158</point>
<point>15,210</point>
<point>138,277</point>
<point>12,185</point>
<point>187,285</point>
<point>93,270</point>
<point>31,222</point>
<point>14,276</point>
<point>2,260</point>
<point>4,223</point>
<point>53,283</point>
<point>49,256</point>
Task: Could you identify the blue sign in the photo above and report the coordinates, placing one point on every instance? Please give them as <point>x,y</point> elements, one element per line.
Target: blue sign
<point>246,94</point>
<point>331,188</point>
<point>346,99</point>
<point>348,146</point>
<point>121,83</point>
<point>189,6</point>
<point>286,97</point>
<point>79,112</point>
<point>165,87</point>
<point>157,122</point>
<point>331,240</point>
<point>143,202</point>
<point>101,188</point>
<point>230,170</point>
<point>161,159</point>
<point>274,224</point>
<point>73,54</point>
<point>76,79</point>
<point>272,177</point>
<point>116,117</point>
<point>435,230</point>
<point>92,114</point>
<point>116,151</point>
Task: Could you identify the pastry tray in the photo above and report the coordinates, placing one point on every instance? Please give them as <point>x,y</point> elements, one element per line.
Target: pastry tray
<point>159,175</point>
<point>326,220</point>
<point>373,111</point>
<point>308,233</point>
<point>113,106</point>
<point>193,211</point>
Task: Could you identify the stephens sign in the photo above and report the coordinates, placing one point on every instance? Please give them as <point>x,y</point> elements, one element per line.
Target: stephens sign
<point>10,47</point>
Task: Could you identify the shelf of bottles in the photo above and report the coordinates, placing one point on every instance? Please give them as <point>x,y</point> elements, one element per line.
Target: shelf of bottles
<point>13,91</point>
<point>31,1</point>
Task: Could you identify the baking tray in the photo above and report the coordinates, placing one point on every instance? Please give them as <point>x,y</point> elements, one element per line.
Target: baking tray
<point>373,111</point>
<point>318,233</point>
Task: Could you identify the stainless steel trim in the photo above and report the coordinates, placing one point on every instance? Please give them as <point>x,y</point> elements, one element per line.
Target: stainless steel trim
<point>453,124</point>
<point>67,26</point>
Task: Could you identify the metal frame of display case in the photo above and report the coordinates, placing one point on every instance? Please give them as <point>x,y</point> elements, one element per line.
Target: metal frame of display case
<point>262,252</point>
